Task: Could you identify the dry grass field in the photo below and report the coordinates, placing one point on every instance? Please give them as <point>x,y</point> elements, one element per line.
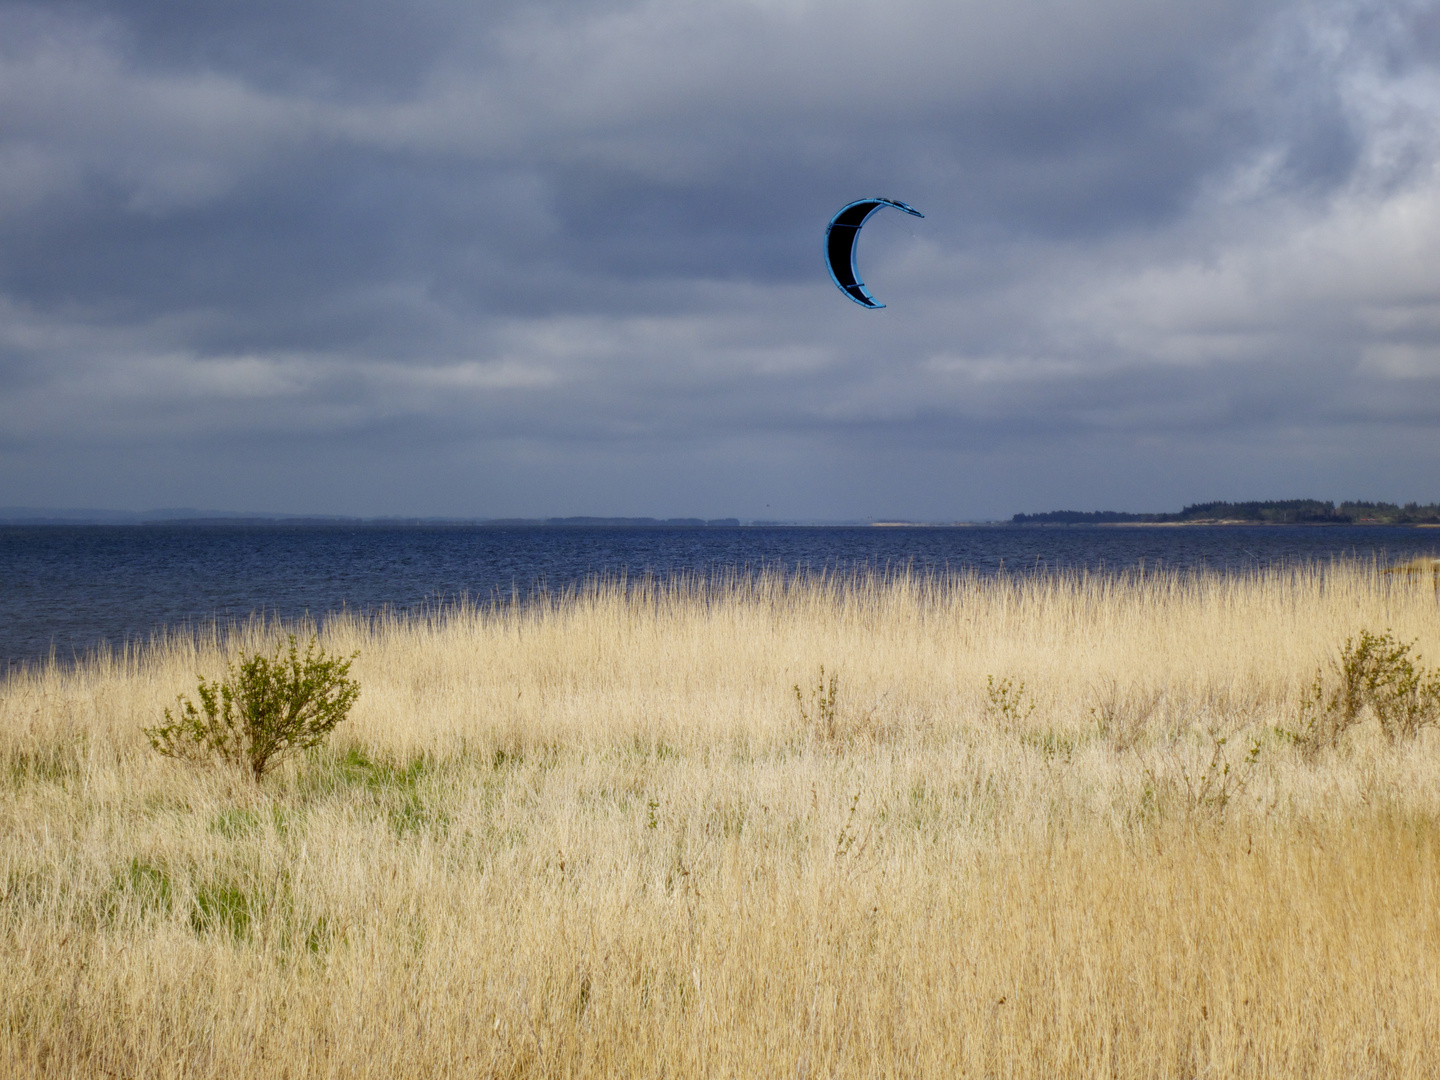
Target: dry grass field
<point>1047,827</point>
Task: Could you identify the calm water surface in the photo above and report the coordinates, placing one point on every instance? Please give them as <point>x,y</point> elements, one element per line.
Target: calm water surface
<point>68,588</point>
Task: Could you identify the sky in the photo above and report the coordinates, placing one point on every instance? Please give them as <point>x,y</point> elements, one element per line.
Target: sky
<point>563,257</point>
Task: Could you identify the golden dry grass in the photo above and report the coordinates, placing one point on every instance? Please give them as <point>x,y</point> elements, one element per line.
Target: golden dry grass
<point>600,836</point>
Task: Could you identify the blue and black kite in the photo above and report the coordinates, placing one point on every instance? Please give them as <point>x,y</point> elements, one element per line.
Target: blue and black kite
<point>840,237</point>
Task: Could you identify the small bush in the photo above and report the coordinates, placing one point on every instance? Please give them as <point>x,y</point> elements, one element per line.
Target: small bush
<point>1375,674</point>
<point>1212,789</point>
<point>823,715</point>
<point>1123,715</point>
<point>1007,702</point>
<point>261,712</point>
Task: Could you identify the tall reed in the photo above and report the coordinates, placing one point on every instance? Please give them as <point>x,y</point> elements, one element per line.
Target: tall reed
<point>1022,826</point>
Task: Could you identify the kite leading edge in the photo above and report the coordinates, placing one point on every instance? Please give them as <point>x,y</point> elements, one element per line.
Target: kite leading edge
<point>840,237</point>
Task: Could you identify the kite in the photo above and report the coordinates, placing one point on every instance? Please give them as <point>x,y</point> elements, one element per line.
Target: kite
<point>840,237</point>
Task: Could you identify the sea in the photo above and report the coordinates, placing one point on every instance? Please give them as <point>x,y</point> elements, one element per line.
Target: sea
<point>66,590</point>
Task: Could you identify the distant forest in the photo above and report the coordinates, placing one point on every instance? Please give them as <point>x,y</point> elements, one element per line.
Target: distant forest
<point>1284,512</point>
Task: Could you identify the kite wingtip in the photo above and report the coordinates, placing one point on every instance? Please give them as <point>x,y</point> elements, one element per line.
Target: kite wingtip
<point>906,207</point>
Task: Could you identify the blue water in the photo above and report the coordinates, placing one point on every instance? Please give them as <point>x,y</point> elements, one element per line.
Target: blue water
<point>68,588</point>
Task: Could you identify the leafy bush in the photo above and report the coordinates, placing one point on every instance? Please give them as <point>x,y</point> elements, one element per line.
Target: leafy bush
<point>1374,675</point>
<point>1007,702</point>
<point>260,713</point>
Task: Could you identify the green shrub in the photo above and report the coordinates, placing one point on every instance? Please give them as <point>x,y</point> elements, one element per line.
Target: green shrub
<point>261,712</point>
<point>1007,702</point>
<point>1374,675</point>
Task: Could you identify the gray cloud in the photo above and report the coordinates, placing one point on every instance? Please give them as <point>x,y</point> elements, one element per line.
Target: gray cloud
<point>564,258</point>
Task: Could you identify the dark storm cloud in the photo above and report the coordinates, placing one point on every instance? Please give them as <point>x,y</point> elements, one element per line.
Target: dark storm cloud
<point>564,257</point>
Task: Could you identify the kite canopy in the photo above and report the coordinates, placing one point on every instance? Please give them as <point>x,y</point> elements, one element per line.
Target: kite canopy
<point>840,237</point>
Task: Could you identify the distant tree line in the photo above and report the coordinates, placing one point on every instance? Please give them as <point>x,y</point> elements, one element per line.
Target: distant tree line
<point>1281,512</point>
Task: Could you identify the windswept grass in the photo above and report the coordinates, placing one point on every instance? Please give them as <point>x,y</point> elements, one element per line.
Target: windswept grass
<point>1043,827</point>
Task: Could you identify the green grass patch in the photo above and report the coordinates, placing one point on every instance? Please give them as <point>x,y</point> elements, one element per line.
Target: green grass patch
<point>403,791</point>
<point>44,764</point>
<point>222,907</point>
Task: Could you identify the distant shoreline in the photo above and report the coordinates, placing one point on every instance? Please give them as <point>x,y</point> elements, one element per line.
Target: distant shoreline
<point>1220,521</point>
<point>1267,512</point>
<point>1276,512</point>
